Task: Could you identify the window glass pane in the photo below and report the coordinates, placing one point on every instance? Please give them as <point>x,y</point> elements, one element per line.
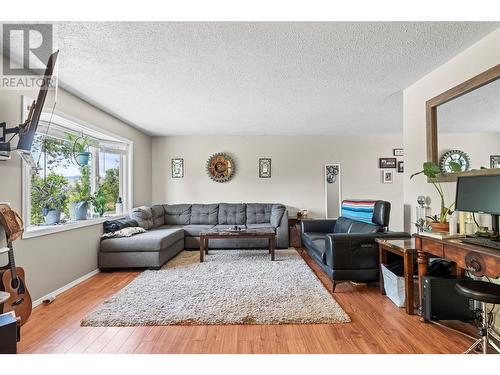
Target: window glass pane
<point>109,179</point>
<point>55,181</point>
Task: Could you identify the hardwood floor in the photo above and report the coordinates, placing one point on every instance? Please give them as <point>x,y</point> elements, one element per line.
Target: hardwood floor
<point>377,326</point>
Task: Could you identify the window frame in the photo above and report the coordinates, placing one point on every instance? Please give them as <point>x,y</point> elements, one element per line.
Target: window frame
<point>126,174</point>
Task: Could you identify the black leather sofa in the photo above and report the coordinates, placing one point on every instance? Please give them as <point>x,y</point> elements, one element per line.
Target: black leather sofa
<point>346,248</point>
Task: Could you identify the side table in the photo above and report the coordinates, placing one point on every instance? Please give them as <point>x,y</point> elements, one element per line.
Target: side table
<point>295,231</point>
<point>407,250</point>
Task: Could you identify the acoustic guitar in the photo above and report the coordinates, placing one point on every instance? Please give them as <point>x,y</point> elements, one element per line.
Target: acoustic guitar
<point>12,282</point>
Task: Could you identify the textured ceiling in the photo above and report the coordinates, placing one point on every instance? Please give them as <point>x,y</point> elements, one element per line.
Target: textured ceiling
<point>256,78</point>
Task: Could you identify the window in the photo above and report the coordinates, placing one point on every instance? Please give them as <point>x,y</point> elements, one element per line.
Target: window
<point>81,174</point>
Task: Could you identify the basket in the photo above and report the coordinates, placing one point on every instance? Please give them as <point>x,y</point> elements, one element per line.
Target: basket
<point>394,286</point>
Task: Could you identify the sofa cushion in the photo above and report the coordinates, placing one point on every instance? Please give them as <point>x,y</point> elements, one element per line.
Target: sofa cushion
<point>277,212</point>
<point>261,226</point>
<point>153,240</point>
<point>143,215</point>
<point>232,214</point>
<point>177,214</point>
<point>258,213</point>
<point>205,214</point>
<point>194,230</point>
<point>358,227</point>
<point>158,215</point>
<point>313,236</point>
<point>343,225</point>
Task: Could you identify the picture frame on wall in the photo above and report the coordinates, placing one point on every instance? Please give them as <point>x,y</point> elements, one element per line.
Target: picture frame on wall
<point>177,168</point>
<point>494,161</point>
<point>401,166</point>
<point>384,163</point>
<point>264,168</point>
<point>398,151</point>
<point>387,177</point>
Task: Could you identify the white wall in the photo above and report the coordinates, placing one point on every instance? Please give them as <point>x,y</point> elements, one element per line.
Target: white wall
<point>476,59</point>
<point>54,260</point>
<point>297,170</point>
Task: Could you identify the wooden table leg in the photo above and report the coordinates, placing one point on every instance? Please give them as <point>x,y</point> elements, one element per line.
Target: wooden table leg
<point>272,246</point>
<point>202,249</point>
<point>423,260</point>
<point>408,272</point>
<point>382,260</point>
<point>206,246</point>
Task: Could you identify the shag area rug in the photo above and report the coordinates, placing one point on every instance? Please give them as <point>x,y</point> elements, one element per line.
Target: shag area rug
<point>230,287</point>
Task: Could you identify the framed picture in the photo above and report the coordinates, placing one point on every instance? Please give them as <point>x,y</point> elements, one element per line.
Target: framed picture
<point>398,151</point>
<point>495,161</point>
<point>401,166</point>
<point>387,177</point>
<point>177,168</point>
<point>264,168</point>
<point>387,163</point>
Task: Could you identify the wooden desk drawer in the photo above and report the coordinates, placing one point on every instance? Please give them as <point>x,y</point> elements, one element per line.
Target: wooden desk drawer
<point>433,247</point>
<point>455,255</point>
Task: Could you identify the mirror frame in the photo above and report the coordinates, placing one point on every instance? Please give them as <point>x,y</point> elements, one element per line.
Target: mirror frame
<point>472,84</point>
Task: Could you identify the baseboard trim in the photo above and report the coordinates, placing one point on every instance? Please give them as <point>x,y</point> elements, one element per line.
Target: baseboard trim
<point>64,288</point>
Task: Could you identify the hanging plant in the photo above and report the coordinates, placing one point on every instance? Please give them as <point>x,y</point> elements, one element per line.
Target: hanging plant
<point>81,145</point>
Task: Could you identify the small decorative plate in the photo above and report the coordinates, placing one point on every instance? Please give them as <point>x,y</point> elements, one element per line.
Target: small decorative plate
<point>220,167</point>
<point>456,156</point>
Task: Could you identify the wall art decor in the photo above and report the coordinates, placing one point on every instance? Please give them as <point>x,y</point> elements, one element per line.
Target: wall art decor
<point>177,168</point>
<point>398,152</point>
<point>264,168</point>
<point>494,161</point>
<point>457,156</point>
<point>401,166</point>
<point>331,172</point>
<point>387,162</point>
<point>220,167</point>
<point>387,177</point>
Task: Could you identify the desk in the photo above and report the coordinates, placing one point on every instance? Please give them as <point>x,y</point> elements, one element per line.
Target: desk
<point>479,260</point>
<point>406,249</point>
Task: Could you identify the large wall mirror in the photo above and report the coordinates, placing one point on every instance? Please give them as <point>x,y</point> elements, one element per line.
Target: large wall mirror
<point>333,191</point>
<point>463,126</point>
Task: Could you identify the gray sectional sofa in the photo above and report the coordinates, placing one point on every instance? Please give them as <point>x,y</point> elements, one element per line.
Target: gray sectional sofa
<point>172,228</point>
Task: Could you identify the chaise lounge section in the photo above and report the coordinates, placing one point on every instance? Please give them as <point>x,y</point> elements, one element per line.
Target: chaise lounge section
<point>172,228</point>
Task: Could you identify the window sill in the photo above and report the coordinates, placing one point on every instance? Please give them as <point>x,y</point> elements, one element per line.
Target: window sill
<point>37,231</point>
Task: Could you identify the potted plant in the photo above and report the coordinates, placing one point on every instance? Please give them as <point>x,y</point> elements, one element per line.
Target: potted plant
<point>79,197</point>
<point>439,222</point>
<point>80,148</point>
<point>99,201</point>
<point>53,196</point>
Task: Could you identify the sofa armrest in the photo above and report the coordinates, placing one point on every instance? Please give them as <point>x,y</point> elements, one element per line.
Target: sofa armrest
<point>282,232</point>
<point>318,225</point>
<point>357,250</point>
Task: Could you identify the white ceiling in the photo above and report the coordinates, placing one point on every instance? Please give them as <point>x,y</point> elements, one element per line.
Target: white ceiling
<point>256,78</point>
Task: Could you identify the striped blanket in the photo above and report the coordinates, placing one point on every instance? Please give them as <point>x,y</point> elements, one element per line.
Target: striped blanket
<point>361,210</point>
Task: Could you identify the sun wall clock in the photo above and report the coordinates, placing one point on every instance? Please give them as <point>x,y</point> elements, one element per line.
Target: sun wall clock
<point>456,156</point>
<point>220,167</point>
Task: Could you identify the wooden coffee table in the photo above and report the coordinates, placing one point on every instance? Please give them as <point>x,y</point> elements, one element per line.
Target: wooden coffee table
<point>236,234</point>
